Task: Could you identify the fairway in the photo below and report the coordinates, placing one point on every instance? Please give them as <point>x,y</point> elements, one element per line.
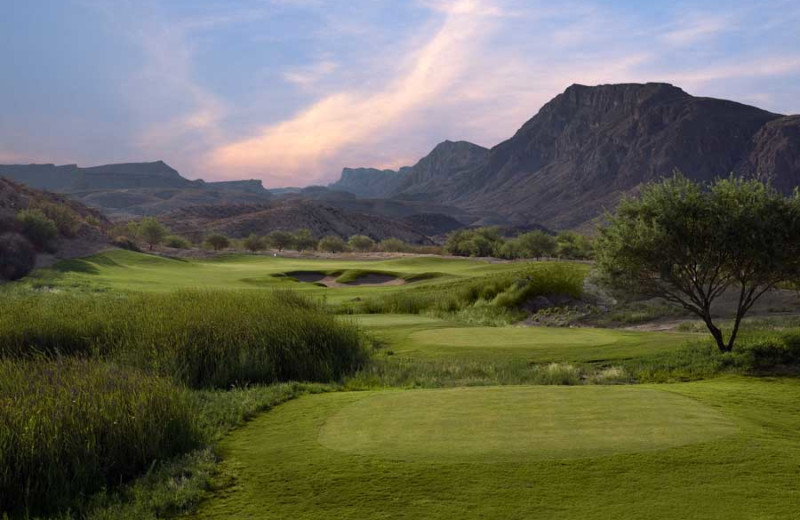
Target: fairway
<point>519,423</point>
<point>122,270</point>
<point>713,450</point>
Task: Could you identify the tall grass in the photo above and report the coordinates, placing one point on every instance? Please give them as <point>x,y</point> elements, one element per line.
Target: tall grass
<point>69,427</point>
<point>200,338</point>
<point>480,298</point>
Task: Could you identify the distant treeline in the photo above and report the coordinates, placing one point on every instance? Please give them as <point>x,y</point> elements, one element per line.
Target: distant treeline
<point>480,242</point>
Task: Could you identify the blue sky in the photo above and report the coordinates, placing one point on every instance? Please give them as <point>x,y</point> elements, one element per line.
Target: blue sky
<point>291,91</point>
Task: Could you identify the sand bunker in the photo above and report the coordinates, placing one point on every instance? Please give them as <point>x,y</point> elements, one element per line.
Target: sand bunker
<point>369,280</point>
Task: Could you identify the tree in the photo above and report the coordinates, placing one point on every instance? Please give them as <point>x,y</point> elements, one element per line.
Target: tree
<point>304,240</point>
<point>361,243</point>
<point>217,241</point>
<point>332,244</point>
<point>39,229</point>
<point>254,243</point>
<point>573,245</point>
<point>536,244</point>
<point>689,244</point>
<point>393,245</point>
<point>485,241</point>
<point>280,240</point>
<point>151,231</point>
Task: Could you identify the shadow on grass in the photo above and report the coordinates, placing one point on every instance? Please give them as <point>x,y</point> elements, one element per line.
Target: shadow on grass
<point>77,265</point>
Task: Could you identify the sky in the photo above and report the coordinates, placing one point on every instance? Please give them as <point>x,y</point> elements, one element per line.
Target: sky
<point>292,91</point>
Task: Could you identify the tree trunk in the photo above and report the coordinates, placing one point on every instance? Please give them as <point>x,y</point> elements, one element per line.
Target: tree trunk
<point>717,334</point>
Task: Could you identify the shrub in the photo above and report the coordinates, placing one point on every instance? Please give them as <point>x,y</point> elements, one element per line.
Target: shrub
<point>73,426</point>
<point>151,231</point>
<point>204,339</point>
<point>536,244</point>
<point>65,219</point>
<point>217,241</point>
<point>254,243</point>
<point>39,229</point>
<point>280,240</point>
<point>124,242</point>
<point>17,256</point>
<point>361,243</point>
<point>332,244</point>
<point>176,242</point>
<point>92,221</point>
<point>493,298</point>
<point>574,245</point>
<point>393,245</point>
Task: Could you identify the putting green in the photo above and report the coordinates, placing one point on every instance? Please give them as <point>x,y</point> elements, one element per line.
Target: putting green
<point>542,344</point>
<point>518,423</point>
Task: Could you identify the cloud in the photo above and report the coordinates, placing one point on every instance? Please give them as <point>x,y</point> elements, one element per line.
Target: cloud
<point>697,28</point>
<point>310,74</point>
<point>303,147</point>
<point>754,68</point>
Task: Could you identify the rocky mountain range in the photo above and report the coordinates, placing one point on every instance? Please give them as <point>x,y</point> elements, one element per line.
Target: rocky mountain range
<point>575,158</point>
<point>134,189</point>
<point>591,145</point>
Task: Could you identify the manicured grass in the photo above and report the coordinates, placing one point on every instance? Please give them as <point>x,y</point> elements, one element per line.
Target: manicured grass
<point>421,337</point>
<point>121,270</point>
<point>744,466</point>
<point>513,423</point>
<point>541,344</point>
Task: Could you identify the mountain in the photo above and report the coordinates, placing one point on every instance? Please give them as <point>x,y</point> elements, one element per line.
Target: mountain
<point>446,159</point>
<point>444,162</point>
<point>288,215</point>
<point>134,189</point>
<point>774,154</point>
<point>590,145</point>
<point>370,183</point>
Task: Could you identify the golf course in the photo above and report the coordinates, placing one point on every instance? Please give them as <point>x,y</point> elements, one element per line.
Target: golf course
<point>462,410</point>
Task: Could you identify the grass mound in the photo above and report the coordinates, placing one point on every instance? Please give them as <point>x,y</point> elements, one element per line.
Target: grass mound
<point>73,426</point>
<point>498,296</point>
<point>200,338</point>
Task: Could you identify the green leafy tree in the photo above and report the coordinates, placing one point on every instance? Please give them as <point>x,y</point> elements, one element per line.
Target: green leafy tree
<point>304,240</point>
<point>39,229</point>
<point>690,245</point>
<point>280,240</point>
<point>536,244</point>
<point>393,245</point>
<point>485,241</point>
<point>332,244</point>
<point>217,241</point>
<point>151,232</point>
<point>254,243</point>
<point>574,245</point>
<point>361,243</point>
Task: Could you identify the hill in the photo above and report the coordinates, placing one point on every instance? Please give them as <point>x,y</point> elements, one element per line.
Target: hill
<point>322,219</point>
<point>134,189</point>
<point>81,229</point>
